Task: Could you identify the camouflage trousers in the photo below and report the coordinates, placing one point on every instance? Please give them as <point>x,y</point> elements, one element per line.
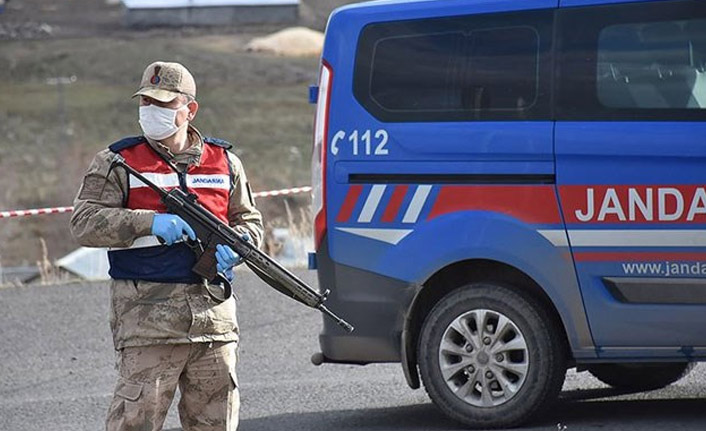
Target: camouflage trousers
<point>149,376</point>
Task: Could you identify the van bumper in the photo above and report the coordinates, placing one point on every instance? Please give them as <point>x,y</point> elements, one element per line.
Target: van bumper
<point>375,305</point>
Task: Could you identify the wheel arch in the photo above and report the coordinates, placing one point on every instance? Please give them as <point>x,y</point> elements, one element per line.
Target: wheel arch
<point>454,276</point>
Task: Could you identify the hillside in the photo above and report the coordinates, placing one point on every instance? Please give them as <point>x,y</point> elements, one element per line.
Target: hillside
<point>50,132</point>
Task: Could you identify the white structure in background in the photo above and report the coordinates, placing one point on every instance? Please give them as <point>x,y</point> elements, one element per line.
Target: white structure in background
<point>92,263</point>
<point>87,263</point>
<point>145,13</point>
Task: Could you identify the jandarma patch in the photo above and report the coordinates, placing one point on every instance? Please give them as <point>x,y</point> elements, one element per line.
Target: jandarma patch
<point>214,181</point>
<point>208,180</point>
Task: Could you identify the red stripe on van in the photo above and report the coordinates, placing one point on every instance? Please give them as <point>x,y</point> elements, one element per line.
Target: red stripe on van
<point>532,203</point>
<point>344,214</point>
<point>632,256</point>
<point>393,207</point>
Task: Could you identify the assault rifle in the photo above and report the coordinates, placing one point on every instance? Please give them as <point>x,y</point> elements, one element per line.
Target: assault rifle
<point>211,231</point>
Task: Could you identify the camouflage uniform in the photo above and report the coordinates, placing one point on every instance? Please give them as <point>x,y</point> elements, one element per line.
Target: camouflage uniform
<point>166,334</point>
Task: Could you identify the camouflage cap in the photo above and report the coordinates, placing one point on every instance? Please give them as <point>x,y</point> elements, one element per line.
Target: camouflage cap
<point>165,81</point>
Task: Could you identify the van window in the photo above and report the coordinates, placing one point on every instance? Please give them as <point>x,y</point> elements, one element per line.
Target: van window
<point>653,65</point>
<point>420,72</point>
<point>635,61</point>
<point>455,69</point>
<point>494,69</point>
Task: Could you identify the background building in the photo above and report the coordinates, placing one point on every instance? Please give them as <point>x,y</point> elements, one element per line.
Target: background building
<point>143,13</point>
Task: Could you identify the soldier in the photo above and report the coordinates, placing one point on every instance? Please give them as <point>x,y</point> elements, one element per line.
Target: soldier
<point>167,329</point>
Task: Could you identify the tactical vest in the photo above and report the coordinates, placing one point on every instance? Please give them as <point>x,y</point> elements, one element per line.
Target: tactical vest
<point>211,182</point>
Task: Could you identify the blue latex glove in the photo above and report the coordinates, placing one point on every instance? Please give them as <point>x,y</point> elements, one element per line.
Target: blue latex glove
<point>227,259</point>
<point>171,228</point>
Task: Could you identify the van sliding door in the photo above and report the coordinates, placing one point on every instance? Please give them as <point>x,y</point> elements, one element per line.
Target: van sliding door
<point>631,171</point>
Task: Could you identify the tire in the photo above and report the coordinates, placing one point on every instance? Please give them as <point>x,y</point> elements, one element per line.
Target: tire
<point>524,381</point>
<point>640,376</point>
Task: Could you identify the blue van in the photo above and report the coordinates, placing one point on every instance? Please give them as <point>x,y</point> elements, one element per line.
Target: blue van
<point>504,189</point>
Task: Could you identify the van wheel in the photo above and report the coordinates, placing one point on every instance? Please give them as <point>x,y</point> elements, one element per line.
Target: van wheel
<point>640,376</point>
<point>489,357</point>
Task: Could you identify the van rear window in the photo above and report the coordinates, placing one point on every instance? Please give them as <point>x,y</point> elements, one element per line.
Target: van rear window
<point>642,61</point>
<point>655,65</point>
<point>453,69</point>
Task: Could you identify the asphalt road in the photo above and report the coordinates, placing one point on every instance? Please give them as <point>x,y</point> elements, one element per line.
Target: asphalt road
<point>56,373</point>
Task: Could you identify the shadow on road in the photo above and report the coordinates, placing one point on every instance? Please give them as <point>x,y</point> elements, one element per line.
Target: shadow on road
<point>645,415</point>
<point>593,394</point>
<point>574,410</point>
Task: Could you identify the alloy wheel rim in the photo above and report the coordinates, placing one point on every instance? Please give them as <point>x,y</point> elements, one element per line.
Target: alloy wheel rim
<point>483,358</point>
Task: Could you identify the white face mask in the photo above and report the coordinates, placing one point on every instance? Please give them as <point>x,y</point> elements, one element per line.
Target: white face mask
<point>158,123</point>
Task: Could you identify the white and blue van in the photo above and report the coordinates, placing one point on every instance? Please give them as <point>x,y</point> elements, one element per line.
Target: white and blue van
<point>505,189</point>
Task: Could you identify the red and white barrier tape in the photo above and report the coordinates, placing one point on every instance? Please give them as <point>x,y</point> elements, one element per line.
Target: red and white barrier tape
<point>33,212</point>
<point>61,210</point>
<point>284,192</point>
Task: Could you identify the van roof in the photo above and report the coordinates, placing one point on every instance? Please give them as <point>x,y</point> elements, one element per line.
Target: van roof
<point>435,7</point>
<point>381,3</point>
<point>384,2</point>
<point>426,5</point>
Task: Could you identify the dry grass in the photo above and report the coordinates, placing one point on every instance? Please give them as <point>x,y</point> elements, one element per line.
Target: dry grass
<point>298,225</point>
